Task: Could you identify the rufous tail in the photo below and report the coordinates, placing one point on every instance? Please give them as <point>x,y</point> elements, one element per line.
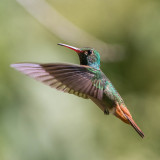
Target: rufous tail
<point>123,113</point>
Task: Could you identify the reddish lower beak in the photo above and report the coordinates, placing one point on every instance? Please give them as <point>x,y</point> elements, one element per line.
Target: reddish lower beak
<point>70,47</point>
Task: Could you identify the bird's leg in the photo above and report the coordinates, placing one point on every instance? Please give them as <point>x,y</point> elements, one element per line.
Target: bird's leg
<point>106,112</point>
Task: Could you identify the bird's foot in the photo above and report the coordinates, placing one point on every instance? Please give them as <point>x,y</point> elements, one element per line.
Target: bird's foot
<point>106,112</point>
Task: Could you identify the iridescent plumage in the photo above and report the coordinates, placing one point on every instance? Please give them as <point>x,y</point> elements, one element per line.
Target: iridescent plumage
<point>85,80</point>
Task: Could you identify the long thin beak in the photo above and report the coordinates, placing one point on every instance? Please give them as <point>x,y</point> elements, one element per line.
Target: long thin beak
<point>70,47</point>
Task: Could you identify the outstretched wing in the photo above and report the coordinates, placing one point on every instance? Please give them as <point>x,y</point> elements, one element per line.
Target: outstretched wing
<point>80,80</point>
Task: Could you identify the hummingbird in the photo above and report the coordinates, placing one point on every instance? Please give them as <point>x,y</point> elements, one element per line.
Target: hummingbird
<point>85,80</point>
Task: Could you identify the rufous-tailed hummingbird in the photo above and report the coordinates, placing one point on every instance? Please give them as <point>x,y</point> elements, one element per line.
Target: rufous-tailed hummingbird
<point>85,80</point>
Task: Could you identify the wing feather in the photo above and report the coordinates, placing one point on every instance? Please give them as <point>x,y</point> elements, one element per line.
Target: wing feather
<point>74,79</point>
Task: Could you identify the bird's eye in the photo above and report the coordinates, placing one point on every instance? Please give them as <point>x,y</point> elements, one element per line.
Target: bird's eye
<point>89,52</point>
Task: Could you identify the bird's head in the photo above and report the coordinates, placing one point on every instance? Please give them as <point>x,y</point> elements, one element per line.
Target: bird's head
<point>87,56</point>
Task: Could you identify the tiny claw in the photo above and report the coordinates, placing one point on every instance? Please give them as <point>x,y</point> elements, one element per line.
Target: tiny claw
<point>106,112</point>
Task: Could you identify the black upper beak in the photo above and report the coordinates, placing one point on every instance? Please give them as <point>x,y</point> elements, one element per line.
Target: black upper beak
<point>71,47</point>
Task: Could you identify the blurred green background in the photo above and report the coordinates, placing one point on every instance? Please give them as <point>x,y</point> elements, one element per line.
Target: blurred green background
<point>40,123</point>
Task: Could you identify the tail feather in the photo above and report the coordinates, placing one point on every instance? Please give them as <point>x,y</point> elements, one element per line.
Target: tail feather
<point>124,114</point>
<point>134,125</point>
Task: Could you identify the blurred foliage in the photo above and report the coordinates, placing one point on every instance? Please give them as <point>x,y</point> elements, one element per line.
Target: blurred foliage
<point>37,122</point>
